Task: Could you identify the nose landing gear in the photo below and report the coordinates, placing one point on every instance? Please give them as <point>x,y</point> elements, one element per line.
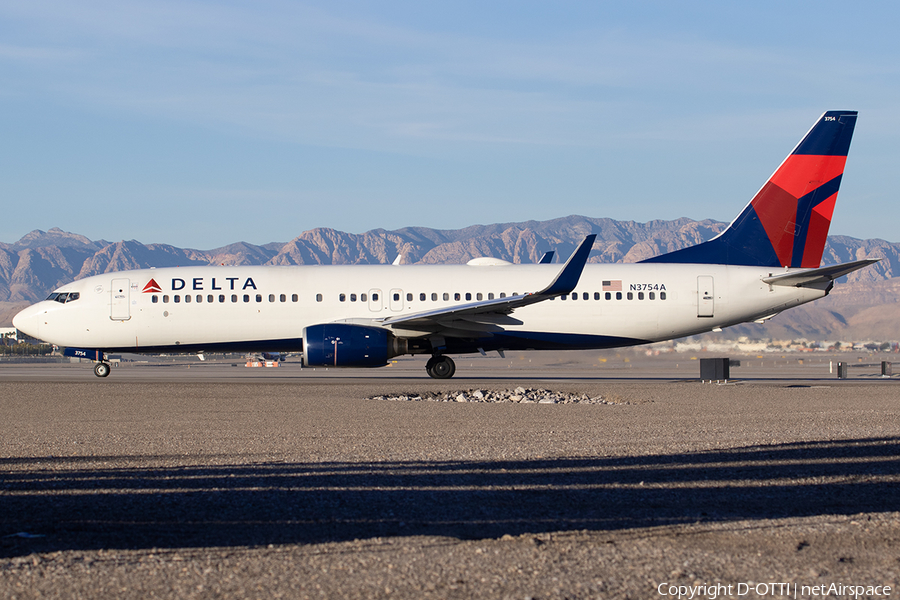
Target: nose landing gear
<point>101,369</point>
<point>440,367</point>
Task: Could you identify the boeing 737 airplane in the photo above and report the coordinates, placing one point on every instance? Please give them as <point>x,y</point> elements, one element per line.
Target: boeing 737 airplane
<point>766,261</point>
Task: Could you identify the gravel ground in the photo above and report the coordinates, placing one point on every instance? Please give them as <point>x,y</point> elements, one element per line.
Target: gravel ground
<point>307,488</point>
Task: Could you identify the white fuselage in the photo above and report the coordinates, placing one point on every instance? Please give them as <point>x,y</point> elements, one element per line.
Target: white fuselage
<point>196,309</point>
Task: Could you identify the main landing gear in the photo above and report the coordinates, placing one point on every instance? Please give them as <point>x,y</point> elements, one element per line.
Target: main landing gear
<point>440,367</point>
<point>101,369</point>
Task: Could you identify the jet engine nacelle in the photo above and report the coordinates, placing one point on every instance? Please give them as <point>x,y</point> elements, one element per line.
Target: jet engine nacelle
<point>343,345</point>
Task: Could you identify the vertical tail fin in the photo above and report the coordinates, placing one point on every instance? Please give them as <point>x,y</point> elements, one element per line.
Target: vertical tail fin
<point>786,223</point>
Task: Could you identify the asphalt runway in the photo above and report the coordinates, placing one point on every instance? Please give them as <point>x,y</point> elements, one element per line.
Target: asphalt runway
<point>183,479</point>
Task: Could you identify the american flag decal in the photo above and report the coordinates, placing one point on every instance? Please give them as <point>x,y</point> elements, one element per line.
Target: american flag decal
<point>612,286</point>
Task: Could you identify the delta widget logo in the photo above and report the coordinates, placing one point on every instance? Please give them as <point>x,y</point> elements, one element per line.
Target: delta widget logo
<point>152,287</point>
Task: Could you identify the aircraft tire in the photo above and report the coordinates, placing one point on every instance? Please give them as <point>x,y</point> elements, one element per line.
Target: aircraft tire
<point>441,367</point>
<point>101,369</point>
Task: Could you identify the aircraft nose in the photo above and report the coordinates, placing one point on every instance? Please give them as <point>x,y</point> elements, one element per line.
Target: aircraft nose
<point>28,320</point>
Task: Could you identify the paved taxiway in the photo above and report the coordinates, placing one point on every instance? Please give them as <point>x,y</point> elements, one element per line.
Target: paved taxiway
<point>221,481</point>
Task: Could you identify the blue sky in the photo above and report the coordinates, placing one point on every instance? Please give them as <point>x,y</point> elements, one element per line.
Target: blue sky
<point>204,123</point>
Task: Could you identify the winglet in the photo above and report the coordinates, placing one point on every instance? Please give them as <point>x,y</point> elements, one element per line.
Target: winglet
<point>547,258</point>
<point>564,283</point>
<point>568,278</point>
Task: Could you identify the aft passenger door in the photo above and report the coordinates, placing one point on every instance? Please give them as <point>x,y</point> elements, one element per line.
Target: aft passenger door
<point>705,296</point>
<point>120,301</point>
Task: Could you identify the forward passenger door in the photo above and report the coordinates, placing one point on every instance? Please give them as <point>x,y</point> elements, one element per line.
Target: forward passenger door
<point>120,300</point>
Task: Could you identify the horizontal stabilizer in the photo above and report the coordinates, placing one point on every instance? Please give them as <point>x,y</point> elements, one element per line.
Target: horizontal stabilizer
<point>820,275</point>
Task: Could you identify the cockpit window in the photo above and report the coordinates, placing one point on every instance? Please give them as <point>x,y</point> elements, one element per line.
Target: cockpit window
<point>63,297</point>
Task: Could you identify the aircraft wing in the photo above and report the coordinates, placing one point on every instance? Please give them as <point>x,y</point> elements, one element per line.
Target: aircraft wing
<point>820,275</point>
<point>495,313</point>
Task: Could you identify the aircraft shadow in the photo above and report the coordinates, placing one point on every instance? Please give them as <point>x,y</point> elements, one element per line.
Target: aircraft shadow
<point>286,503</point>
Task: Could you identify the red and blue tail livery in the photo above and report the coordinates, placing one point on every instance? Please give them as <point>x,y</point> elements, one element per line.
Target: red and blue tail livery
<point>786,223</point>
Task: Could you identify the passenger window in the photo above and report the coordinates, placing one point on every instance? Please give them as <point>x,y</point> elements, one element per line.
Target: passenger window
<point>352,297</point>
<point>154,298</point>
<point>618,295</point>
<point>342,297</point>
<point>272,298</point>
<point>210,298</point>
<point>596,295</point>
<point>234,298</point>
<point>468,295</point>
<point>662,295</point>
<point>221,297</point>
<point>422,296</point>
<point>187,298</point>
<point>295,297</point>
<point>503,294</point>
<point>199,298</point>
<point>282,298</point>
<point>446,296</point>
<point>652,296</point>
<point>177,298</point>
<point>479,296</point>
<point>165,299</point>
<point>363,298</point>
<point>490,295</point>
<point>585,296</point>
<point>640,295</point>
<point>396,297</point>
<point>259,298</point>
<point>433,297</point>
<point>456,296</point>
<point>409,297</point>
<point>608,295</point>
<point>564,296</point>
<point>630,296</point>
<point>318,298</point>
<point>374,297</point>
<point>246,297</point>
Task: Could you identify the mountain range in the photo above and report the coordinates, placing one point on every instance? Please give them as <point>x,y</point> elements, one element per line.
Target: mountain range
<point>862,307</point>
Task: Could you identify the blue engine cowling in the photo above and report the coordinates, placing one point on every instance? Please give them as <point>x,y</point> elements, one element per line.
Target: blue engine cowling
<point>343,345</point>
